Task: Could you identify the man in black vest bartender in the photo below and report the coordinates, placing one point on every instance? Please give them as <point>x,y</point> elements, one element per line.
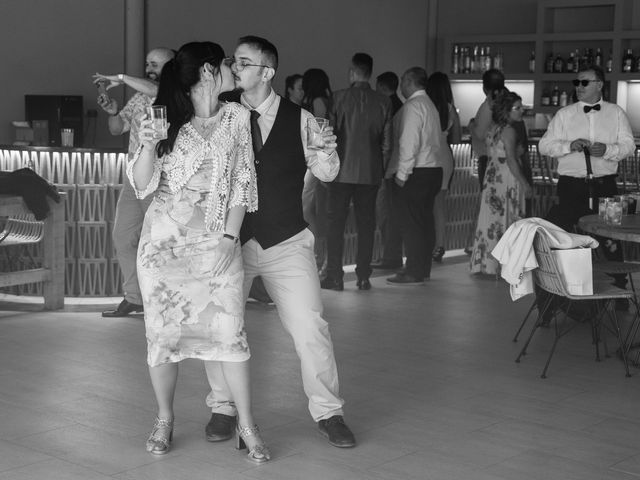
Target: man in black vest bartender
<point>277,244</point>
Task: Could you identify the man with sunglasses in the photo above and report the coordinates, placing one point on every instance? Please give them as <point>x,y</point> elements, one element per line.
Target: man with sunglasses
<point>276,243</point>
<point>590,128</point>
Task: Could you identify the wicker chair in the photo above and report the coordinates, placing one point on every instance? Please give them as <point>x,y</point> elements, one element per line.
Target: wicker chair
<point>601,307</point>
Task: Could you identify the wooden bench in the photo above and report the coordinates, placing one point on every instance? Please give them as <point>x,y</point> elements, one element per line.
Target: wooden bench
<point>53,261</point>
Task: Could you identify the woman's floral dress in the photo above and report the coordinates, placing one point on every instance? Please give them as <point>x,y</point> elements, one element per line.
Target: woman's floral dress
<point>502,203</point>
<point>189,312</point>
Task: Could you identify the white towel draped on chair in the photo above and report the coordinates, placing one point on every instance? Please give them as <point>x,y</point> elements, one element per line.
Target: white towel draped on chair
<point>515,253</point>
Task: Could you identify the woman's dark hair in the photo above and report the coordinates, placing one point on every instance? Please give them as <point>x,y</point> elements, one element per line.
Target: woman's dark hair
<point>502,105</point>
<point>289,83</point>
<point>439,91</point>
<point>178,76</point>
<point>315,84</point>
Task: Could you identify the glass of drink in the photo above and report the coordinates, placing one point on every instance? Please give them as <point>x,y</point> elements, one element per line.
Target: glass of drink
<point>66,137</point>
<point>315,127</point>
<point>624,201</point>
<point>602,206</point>
<point>614,212</point>
<point>158,113</point>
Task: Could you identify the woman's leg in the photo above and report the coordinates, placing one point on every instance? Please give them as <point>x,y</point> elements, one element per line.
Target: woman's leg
<point>164,379</point>
<point>439,217</point>
<point>236,375</point>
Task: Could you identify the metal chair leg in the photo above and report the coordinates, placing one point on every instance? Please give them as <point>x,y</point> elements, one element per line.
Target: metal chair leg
<point>533,306</point>
<point>537,324</point>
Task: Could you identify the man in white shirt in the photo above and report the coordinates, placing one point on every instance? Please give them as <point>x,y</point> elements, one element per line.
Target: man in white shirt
<point>278,246</point>
<point>591,123</point>
<point>416,168</point>
<point>603,129</point>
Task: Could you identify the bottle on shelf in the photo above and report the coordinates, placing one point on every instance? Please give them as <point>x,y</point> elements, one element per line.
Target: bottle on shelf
<point>636,64</point>
<point>578,62</point>
<point>564,99</point>
<point>571,62</point>
<point>455,60</point>
<point>598,58</point>
<point>588,56</point>
<point>545,99</point>
<point>558,65</point>
<point>627,61</point>
<point>532,61</point>
<point>609,65</point>
<point>466,60</point>
<point>475,59</point>
<point>555,96</point>
<point>548,64</point>
<point>498,61</point>
<point>487,58</point>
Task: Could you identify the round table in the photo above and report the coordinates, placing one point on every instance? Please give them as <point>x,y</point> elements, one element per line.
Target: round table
<point>628,231</point>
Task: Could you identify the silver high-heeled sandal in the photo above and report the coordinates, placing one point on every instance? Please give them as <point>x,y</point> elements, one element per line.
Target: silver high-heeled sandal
<point>159,442</point>
<point>259,453</point>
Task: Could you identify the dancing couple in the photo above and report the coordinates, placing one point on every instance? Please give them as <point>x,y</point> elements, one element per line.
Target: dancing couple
<point>206,236</point>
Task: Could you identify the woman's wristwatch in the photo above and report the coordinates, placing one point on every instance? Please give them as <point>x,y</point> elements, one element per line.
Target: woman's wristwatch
<point>235,239</point>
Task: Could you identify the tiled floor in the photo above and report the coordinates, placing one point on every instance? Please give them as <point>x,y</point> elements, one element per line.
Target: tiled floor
<point>428,375</point>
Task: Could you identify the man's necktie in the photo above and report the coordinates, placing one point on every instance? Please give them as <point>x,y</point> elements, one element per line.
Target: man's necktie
<point>596,107</point>
<point>256,136</point>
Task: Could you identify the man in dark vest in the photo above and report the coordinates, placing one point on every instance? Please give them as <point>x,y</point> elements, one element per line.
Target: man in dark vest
<point>277,245</point>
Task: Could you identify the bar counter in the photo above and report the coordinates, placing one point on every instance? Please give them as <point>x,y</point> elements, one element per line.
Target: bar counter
<point>92,179</point>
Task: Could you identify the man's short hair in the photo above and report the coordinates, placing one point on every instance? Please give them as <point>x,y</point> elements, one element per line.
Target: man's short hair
<point>264,46</point>
<point>596,69</point>
<point>363,64</point>
<point>388,80</point>
<point>417,76</point>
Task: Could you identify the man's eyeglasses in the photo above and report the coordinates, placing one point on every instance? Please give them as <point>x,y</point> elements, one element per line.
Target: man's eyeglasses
<point>241,64</point>
<point>584,83</point>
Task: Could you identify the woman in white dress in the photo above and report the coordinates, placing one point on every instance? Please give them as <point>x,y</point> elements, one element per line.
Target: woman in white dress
<point>189,259</point>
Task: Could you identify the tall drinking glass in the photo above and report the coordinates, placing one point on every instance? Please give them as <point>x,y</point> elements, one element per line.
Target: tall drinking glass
<point>315,127</point>
<point>158,113</point>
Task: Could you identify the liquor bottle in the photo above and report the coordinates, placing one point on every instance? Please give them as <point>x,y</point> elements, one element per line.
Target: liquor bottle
<point>571,62</point>
<point>627,61</point>
<point>588,56</point>
<point>609,65</point>
<point>545,99</point>
<point>548,64</point>
<point>637,64</point>
<point>498,61</point>
<point>555,96</point>
<point>487,58</point>
<point>466,60</point>
<point>598,57</point>
<point>564,98</point>
<point>578,62</point>
<point>455,60</point>
<point>475,59</point>
<point>558,65</point>
<point>532,62</point>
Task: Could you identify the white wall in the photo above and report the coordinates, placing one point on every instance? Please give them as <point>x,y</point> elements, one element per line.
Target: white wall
<point>307,34</point>
<point>53,46</point>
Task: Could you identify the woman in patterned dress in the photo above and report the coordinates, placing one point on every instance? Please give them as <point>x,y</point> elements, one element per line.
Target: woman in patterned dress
<point>504,187</point>
<point>189,260</point>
